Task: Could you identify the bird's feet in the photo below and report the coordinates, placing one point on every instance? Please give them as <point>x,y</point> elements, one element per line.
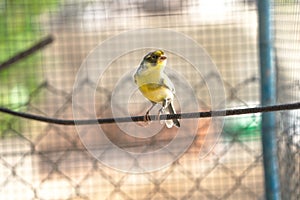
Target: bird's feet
<point>160,112</point>
<point>147,117</point>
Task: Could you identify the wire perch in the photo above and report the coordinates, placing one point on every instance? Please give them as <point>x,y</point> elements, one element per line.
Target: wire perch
<point>218,113</point>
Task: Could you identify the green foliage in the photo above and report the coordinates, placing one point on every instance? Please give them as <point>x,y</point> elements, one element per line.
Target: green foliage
<point>244,128</point>
<point>19,26</point>
<point>20,29</point>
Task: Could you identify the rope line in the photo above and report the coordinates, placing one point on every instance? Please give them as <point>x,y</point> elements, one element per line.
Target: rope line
<point>218,113</point>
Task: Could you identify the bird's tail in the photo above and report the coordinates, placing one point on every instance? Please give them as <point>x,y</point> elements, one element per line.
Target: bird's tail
<point>173,121</point>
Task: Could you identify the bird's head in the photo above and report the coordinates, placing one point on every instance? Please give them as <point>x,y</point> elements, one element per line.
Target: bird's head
<point>156,58</point>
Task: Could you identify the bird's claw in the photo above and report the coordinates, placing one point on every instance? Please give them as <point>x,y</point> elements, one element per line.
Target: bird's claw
<point>161,111</point>
<point>147,117</point>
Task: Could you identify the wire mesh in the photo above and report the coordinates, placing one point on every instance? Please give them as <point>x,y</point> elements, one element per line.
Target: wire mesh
<point>286,15</point>
<point>44,161</point>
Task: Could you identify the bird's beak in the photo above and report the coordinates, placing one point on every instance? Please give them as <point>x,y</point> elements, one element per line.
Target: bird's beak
<point>163,57</point>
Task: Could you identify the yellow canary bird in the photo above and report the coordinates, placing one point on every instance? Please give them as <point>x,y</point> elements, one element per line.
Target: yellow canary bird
<point>155,85</point>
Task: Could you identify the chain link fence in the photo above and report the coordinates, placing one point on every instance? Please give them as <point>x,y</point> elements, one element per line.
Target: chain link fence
<point>45,161</point>
<point>286,15</point>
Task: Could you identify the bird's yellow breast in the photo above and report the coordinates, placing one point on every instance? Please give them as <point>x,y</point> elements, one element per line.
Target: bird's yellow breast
<point>155,92</point>
<point>151,83</point>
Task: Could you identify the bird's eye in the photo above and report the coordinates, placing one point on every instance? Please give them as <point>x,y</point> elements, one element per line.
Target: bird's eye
<point>154,57</point>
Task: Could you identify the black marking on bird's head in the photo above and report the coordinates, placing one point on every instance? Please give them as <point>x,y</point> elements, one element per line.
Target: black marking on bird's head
<point>155,57</point>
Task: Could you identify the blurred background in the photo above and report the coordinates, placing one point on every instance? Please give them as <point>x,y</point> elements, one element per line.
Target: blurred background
<point>46,161</point>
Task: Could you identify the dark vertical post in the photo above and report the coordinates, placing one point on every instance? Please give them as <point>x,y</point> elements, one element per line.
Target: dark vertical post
<point>268,97</point>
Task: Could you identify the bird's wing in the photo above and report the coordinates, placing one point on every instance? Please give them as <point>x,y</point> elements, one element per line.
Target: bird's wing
<point>167,82</point>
